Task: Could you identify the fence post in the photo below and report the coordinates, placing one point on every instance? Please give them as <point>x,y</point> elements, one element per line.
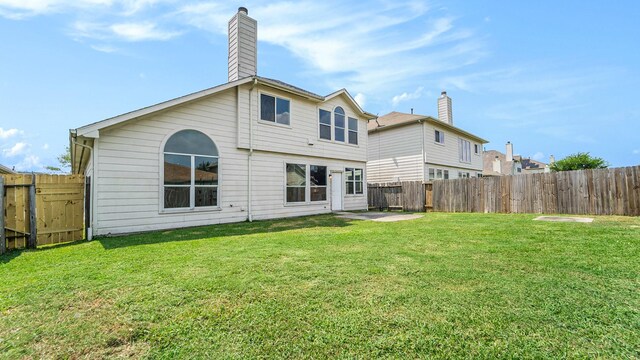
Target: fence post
<point>32,213</point>
<point>3,240</point>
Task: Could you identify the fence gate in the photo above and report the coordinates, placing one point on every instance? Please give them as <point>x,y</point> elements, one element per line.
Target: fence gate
<point>41,209</point>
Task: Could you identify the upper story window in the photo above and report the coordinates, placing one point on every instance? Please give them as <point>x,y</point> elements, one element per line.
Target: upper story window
<point>275,109</point>
<point>439,137</point>
<point>337,126</point>
<point>464,148</point>
<point>476,149</point>
<point>190,171</point>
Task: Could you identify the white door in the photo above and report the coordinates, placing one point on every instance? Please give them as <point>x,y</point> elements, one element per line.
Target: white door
<point>336,191</point>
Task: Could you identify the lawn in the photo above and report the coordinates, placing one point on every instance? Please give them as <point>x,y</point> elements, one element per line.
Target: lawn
<point>443,286</point>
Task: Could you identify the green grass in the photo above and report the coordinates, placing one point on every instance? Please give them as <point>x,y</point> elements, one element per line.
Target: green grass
<point>446,285</point>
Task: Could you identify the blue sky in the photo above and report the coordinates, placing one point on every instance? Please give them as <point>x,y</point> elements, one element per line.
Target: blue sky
<point>553,77</point>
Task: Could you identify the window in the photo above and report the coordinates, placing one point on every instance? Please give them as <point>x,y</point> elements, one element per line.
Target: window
<point>353,131</point>
<point>325,124</point>
<point>446,174</point>
<point>318,182</point>
<point>432,173</point>
<point>302,176</point>
<point>476,149</point>
<point>439,137</point>
<point>439,174</point>
<point>354,181</point>
<point>479,175</point>
<point>296,182</point>
<point>275,109</point>
<point>190,171</point>
<point>338,124</point>
<point>464,148</point>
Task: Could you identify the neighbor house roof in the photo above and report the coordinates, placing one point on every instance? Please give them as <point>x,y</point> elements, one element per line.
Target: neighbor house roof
<point>397,119</point>
<point>6,170</point>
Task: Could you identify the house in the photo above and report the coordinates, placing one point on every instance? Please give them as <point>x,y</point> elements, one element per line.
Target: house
<point>6,170</point>
<point>496,163</point>
<point>405,147</point>
<point>252,148</point>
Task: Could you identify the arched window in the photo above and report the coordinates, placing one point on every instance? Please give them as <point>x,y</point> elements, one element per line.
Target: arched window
<point>338,123</point>
<point>190,171</point>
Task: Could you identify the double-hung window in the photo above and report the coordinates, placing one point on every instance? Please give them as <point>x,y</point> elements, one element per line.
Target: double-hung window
<point>464,148</point>
<point>354,180</point>
<point>353,131</point>
<point>275,109</point>
<point>306,183</point>
<point>476,149</point>
<point>325,124</point>
<point>190,171</point>
<point>439,137</point>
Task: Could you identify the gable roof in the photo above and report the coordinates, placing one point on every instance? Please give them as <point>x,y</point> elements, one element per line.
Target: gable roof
<point>90,129</point>
<point>396,119</point>
<point>6,170</point>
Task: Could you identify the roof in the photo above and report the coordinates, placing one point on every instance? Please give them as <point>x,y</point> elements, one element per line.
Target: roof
<point>90,129</point>
<point>507,166</point>
<point>396,119</point>
<point>6,170</point>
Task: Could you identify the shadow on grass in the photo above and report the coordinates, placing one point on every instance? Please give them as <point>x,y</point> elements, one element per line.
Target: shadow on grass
<point>223,230</point>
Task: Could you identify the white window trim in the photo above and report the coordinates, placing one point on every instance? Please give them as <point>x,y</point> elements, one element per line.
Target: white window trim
<point>479,149</point>
<point>161,209</point>
<point>364,182</point>
<point>441,136</point>
<point>347,115</point>
<point>461,142</point>
<point>307,190</point>
<point>274,123</point>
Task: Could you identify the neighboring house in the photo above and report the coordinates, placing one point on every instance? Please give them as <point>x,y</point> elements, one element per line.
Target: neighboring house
<point>6,170</point>
<point>500,164</point>
<point>253,148</point>
<point>405,147</point>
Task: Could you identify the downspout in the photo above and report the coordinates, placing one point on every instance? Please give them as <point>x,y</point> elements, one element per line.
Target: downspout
<point>93,179</point>
<point>249,159</point>
<point>423,130</point>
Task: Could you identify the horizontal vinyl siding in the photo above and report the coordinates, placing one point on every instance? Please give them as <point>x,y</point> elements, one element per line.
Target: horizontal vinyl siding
<point>129,173</point>
<point>303,129</point>
<point>448,154</point>
<point>395,154</point>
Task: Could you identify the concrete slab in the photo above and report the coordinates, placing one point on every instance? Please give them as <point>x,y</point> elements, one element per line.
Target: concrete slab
<point>564,219</point>
<point>378,216</point>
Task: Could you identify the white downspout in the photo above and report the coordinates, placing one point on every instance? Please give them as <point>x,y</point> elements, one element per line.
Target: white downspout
<point>93,179</point>
<point>249,158</point>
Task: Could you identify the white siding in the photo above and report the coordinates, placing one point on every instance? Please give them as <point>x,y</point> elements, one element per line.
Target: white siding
<point>243,39</point>
<point>447,155</point>
<point>395,154</point>
<point>129,158</point>
<point>295,139</point>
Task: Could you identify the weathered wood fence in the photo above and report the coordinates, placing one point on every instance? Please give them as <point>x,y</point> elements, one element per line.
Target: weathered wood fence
<point>406,195</point>
<point>40,209</point>
<point>596,192</point>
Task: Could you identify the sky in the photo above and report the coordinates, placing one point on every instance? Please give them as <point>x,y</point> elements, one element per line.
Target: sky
<point>552,77</point>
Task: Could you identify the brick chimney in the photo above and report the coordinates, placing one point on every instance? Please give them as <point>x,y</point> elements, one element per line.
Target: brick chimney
<point>444,108</point>
<point>243,45</point>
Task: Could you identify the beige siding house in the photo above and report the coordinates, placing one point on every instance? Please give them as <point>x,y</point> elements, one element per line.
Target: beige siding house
<point>508,163</point>
<point>253,148</point>
<point>405,147</point>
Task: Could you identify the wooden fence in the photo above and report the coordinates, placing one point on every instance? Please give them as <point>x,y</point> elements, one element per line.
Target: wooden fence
<point>407,196</point>
<point>596,192</point>
<point>40,209</point>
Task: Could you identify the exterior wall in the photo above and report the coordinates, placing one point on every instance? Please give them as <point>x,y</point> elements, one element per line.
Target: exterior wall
<point>448,154</point>
<point>128,183</point>
<point>395,155</point>
<point>453,171</point>
<point>302,136</point>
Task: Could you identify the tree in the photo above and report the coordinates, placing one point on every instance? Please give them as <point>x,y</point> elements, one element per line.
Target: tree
<point>579,161</point>
<point>64,161</point>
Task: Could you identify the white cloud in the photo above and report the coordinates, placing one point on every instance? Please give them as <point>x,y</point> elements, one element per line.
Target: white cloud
<point>407,96</point>
<point>29,162</point>
<point>141,32</point>
<point>361,99</point>
<point>17,149</point>
<point>104,48</point>
<point>45,146</point>
<point>5,134</point>
<point>636,151</point>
